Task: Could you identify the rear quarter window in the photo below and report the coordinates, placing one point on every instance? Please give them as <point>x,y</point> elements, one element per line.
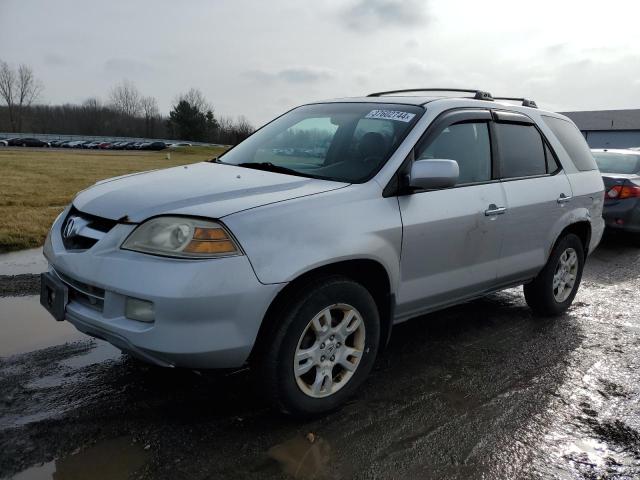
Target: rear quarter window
<point>572,141</point>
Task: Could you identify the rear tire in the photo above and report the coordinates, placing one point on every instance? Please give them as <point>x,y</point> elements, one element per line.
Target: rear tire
<point>555,287</point>
<point>322,348</point>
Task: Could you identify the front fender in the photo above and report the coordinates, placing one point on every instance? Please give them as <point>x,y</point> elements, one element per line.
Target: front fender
<point>287,239</point>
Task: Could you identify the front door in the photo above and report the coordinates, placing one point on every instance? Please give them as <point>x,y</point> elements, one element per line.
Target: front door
<point>452,237</point>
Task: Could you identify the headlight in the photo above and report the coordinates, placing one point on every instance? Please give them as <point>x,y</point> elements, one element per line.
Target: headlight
<point>182,237</point>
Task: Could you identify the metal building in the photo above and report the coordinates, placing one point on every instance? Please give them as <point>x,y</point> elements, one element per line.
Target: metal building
<point>609,128</point>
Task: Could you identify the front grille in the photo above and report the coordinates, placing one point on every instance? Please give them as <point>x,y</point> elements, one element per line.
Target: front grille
<point>88,230</point>
<point>87,295</point>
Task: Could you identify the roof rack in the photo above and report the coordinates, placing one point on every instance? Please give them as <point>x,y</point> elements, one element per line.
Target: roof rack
<point>478,94</point>
<point>525,102</point>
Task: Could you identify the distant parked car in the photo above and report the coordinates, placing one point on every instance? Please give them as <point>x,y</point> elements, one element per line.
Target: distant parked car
<point>153,146</point>
<point>104,145</point>
<point>27,142</point>
<point>180,144</point>
<point>4,143</point>
<point>74,144</point>
<point>621,175</point>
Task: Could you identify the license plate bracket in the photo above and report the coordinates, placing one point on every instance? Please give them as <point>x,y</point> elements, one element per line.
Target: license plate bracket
<point>54,295</point>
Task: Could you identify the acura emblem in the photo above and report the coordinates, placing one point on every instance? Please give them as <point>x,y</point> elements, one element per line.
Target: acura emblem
<point>72,227</point>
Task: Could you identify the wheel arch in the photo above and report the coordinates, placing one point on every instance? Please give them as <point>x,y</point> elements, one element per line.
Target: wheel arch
<point>369,273</point>
<point>582,229</point>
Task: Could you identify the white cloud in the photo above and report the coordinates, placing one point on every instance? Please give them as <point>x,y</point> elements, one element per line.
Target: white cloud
<point>260,58</point>
<point>371,15</point>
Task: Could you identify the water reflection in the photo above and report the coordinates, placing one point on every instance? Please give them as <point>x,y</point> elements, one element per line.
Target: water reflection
<point>23,261</point>
<point>113,459</point>
<point>26,326</point>
<point>303,457</point>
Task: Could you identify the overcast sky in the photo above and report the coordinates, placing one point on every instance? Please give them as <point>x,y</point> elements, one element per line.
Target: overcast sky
<point>259,58</point>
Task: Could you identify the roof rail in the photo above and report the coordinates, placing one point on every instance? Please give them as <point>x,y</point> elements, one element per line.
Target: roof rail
<point>478,94</point>
<point>525,102</point>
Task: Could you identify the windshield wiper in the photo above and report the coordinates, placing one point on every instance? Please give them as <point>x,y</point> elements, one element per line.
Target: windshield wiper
<point>270,167</point>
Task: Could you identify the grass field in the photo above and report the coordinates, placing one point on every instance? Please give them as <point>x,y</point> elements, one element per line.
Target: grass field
<point>36,184</point>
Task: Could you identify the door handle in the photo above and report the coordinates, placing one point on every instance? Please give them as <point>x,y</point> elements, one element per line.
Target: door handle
<point>494,210</point>
<point>562,199</point>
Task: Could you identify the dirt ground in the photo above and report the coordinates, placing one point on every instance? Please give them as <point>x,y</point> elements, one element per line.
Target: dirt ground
<point>483,390</point>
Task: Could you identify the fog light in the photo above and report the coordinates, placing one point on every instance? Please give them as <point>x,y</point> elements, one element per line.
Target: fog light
<point>140,310</point>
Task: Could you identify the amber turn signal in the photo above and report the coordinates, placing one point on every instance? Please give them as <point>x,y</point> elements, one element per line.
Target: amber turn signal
<point>201,233</point>
<point>208,246</point>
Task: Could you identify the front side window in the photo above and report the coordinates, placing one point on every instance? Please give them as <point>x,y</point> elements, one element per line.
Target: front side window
<point>522,151</point>
<point>346,142</point>
<point>611,162</point>
<point>466,143</point>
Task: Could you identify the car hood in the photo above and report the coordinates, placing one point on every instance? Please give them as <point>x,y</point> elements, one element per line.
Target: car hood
<point>203,189</point>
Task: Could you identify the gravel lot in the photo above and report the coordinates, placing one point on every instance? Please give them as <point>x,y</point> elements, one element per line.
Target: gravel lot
<point>483,390</point>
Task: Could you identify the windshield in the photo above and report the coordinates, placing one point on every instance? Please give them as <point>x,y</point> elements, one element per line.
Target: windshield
<point>346,142</point>
<point>617,162</point>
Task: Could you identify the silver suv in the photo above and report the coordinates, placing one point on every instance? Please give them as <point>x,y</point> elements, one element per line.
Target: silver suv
<point>297,251</point>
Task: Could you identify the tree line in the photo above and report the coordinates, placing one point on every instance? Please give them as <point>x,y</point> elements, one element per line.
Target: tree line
<point>125,113</point>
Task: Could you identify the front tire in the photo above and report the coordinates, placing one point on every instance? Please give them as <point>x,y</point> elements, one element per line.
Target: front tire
<point>553,290</point>
<point>322,348</point>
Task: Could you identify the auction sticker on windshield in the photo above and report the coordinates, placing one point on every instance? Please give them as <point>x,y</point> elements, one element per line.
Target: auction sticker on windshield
<point>391,115</point>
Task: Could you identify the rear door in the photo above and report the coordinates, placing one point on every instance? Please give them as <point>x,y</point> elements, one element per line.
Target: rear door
<point>451,237</point>
<point>537,192</point>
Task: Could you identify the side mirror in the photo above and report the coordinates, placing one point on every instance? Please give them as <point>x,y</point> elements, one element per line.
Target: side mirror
<point>434,174</point>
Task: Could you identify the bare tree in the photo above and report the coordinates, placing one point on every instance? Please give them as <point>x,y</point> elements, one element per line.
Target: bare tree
<point>92,116</point>
<point>150,112</point>
<point>196,99</point>
<point>126,99</point>
<point>19,89</point>
<point>243,127</point>
<point>92,103</point>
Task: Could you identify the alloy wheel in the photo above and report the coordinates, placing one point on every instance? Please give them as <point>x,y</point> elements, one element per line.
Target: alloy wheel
<point>329,350</point>
<point>565,275</point>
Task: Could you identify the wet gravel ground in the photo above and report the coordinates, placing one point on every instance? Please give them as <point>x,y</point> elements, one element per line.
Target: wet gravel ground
<point>483,390</point>
<point>19,285</point>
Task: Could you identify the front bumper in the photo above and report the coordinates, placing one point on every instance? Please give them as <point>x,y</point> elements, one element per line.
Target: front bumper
<point>207,312</point>
<point>622,214</point>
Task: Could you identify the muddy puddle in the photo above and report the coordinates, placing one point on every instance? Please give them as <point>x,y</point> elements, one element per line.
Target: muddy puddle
<point>26,326</point>
<point>303,457</point>
<point>113,459</point>
<point>23,261</point>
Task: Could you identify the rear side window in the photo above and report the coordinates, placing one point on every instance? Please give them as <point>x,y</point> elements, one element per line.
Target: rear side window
<point>552,162</point>
<point>522,151</point>
<point>572,141</point>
